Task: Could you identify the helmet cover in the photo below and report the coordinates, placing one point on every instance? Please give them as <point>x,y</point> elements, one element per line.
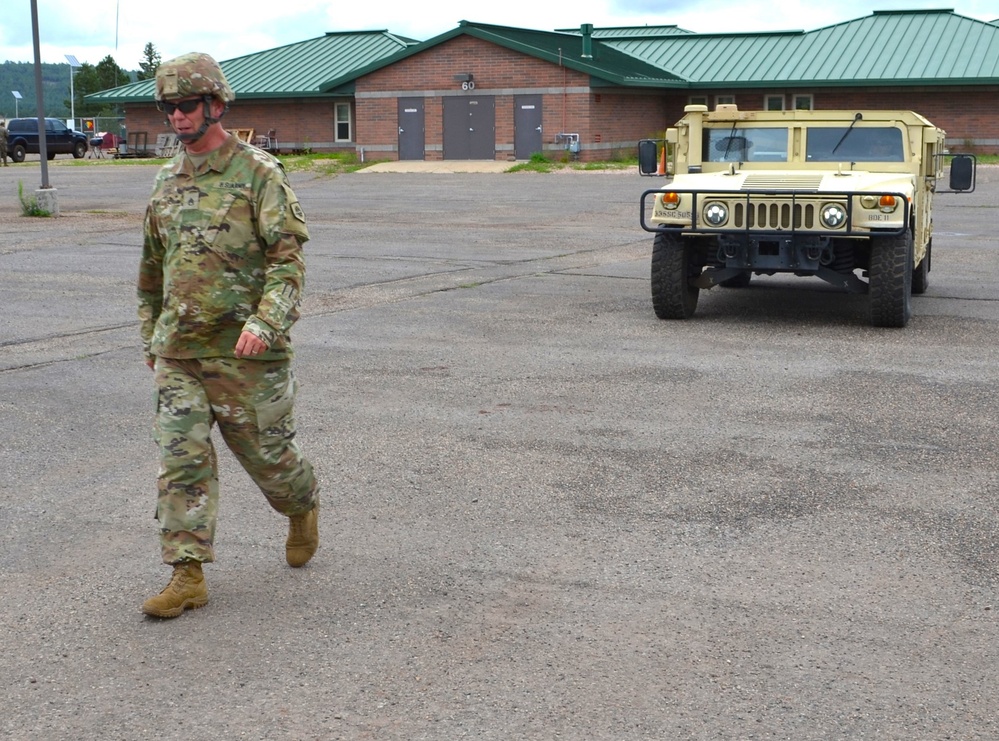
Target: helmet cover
<point>189,75</point>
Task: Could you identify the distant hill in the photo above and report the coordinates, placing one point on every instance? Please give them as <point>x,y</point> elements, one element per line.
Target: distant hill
<point>20,76</point>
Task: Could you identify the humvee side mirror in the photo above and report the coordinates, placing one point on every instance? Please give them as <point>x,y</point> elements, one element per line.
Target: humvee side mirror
<point>962,173</point>
<point>648,157</point>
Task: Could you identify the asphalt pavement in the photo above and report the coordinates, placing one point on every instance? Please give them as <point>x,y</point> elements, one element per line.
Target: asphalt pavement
<point>546,514</point>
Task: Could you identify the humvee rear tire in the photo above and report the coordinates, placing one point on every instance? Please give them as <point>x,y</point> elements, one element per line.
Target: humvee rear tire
<point>921,273</point>
<point>673,297</point>
<point>890,286</point>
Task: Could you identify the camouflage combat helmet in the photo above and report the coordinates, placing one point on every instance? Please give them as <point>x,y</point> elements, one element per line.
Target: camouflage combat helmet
<point>192,74</point>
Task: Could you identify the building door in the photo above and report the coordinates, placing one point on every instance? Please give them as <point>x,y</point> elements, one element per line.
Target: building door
<point>470,128</point>
<point>527,128</point>
<point>411,129</point>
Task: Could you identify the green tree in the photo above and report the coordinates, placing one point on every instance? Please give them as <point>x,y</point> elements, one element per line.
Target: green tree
<point>149,63</point>
<point>110,74</point>
<point>92,79</point>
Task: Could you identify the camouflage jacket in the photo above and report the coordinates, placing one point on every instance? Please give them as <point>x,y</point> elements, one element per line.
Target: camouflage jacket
<point>222,252</point>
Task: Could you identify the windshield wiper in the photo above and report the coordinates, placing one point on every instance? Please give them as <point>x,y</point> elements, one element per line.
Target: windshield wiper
<point>728,144</point>
<point>846,133</point>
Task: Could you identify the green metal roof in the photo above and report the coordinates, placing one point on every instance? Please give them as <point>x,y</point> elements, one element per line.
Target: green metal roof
<point>906,47</point>
<point>606,64</point>
<point>618,32</point>
<point>295,70</point>
<point>888,47</point>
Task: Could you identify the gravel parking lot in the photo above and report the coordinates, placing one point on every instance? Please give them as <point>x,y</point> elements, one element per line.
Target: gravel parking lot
<point>546,513</point>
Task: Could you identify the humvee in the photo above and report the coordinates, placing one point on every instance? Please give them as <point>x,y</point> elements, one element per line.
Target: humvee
<point>839,195</point>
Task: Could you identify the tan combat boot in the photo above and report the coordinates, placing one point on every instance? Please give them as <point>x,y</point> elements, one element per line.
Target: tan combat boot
<point>303,537</point>
<point>186,591</point>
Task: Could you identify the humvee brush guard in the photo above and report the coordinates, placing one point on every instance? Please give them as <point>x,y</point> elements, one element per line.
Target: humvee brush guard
<point>811,193</point>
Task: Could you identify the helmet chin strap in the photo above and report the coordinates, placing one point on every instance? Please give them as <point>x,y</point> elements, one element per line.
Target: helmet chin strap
<point>206,103</point>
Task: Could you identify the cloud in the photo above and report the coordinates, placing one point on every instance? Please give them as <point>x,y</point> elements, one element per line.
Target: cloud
<point>122,28</point>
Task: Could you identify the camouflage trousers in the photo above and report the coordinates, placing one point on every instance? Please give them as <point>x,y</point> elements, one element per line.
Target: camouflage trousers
<point>252,403</point>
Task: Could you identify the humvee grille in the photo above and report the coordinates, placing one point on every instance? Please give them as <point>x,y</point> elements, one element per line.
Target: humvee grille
<point>774,215</point>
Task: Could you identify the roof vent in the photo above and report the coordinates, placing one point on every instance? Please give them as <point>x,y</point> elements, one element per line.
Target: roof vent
<point>586,29</point>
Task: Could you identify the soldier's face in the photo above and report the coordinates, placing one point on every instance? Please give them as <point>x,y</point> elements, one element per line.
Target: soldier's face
<point>187,115</point>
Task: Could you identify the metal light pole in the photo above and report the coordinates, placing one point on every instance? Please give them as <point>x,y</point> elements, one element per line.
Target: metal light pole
<point>47,197</point>
<point>17,99</point>
<point>73,64</point>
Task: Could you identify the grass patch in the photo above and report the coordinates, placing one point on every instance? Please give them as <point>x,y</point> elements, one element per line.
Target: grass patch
<point>543,163</point>
<point>538,163</point>
<point>321,163</point>
<point>29,204</point>
<point>324,163</point>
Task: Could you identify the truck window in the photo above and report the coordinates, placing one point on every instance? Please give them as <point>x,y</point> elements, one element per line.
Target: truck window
<point>857,144</point>
<point>736,144</point>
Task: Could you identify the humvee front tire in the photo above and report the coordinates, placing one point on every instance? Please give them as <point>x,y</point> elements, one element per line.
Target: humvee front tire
<point>890,280</point>
<point>673,297</point>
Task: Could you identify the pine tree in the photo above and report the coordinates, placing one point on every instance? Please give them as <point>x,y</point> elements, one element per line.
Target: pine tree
<point>149,63</point>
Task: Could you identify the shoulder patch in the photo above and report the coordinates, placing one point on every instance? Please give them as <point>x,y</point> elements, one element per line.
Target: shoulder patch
<point>296,210</point>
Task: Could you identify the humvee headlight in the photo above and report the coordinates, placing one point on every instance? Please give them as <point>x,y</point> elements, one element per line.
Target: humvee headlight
<point>833,216</point>
<point>671,200</point>
<point>716,214</point>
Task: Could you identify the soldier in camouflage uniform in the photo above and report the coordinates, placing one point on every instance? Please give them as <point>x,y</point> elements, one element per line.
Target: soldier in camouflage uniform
<point>219,288</point>
<point>3,142</point>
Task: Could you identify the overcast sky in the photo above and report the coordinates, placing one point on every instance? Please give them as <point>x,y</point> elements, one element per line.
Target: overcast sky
<point>93,29</point>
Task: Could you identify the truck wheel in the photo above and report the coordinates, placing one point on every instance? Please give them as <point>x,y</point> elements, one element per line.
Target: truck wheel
<point>50,154</point>
<point>17,153</point>
<point>921,273</point>
<point>890,285</point>
<point>673,297</point>
<point>79,150</point>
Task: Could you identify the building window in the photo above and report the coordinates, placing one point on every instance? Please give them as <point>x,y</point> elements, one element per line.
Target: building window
<point>724,100</point>
<point>697,100</point>
<point>343,132</point>
<point>773,103</point>
<point>803,103</point>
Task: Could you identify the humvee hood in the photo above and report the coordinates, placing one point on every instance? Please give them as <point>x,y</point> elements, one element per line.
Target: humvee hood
<point>807,181</point>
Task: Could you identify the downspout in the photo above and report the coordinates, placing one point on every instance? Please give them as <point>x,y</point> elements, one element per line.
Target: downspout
<point>565,97</point>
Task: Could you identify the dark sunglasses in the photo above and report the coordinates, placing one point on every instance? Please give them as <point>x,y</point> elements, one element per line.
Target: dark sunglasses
<point>187,107</point>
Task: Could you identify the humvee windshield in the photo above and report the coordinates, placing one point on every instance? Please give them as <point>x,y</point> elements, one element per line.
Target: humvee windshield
<point>845,144</point>
<point>823,144</point>
<point>745,145</point>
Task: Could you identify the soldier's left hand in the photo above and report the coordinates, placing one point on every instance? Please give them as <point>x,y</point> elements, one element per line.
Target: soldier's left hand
<point>249,345</point>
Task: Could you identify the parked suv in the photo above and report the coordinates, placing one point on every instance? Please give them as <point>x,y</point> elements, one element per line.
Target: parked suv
<point>22,138</point>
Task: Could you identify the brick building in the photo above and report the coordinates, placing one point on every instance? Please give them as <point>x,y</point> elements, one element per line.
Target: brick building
<point>494,92</point>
